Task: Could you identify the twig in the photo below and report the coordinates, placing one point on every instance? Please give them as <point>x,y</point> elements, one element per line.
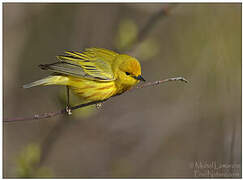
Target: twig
<point>163,81</point>
<point>63,111</point>
<point>36,116</point>
<point>50,114</point>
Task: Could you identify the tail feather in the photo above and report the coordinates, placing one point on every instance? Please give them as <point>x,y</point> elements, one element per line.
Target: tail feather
<point>50,80</point>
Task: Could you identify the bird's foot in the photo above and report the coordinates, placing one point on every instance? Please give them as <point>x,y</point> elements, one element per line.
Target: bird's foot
<point>99,105</point>
<point>68,110</point>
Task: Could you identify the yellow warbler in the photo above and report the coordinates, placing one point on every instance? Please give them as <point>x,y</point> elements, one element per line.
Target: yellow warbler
<point>94,74</point>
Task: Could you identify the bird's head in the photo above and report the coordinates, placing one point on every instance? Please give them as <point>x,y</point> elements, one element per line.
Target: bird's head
<point>128,70</point>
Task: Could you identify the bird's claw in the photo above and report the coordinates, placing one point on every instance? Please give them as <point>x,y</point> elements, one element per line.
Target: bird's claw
<point>68,110</point>
<point>99,105</point>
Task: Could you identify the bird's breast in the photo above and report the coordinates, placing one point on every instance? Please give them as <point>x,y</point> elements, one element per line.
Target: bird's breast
<point>91,90</point>
<point>121,88</point>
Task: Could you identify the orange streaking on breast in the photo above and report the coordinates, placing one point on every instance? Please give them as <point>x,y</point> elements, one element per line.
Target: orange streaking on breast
<point>92,90</point>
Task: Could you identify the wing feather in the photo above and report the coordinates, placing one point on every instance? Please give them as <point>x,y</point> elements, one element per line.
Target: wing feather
<point>94,63</point>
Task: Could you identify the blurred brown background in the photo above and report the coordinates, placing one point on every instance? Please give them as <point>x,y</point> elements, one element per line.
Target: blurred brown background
<point>158,131</point>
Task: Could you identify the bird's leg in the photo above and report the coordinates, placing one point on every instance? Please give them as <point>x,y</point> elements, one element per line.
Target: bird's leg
<point>68,107</point>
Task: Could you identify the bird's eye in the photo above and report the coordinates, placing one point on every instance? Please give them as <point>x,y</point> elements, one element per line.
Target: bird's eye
<point>127,73</point>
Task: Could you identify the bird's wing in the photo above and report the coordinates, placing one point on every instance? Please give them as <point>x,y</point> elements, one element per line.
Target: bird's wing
<point>94,63</point>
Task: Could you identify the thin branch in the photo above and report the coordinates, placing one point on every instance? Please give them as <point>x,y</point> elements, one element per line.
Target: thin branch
<point>63,111</point>
<point>163,81</point>
<point>36,116</point>
<point>50,114</point>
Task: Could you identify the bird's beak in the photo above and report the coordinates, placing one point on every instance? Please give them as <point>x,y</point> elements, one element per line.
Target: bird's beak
<point>139,78</point>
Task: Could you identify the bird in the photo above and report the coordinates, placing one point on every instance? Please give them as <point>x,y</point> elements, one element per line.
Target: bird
<point>95,74</point>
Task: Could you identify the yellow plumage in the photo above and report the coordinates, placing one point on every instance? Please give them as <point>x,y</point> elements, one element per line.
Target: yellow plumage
<point>94,74</point>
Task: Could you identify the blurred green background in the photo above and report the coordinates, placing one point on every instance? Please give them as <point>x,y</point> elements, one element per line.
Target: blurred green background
<point>150,132</point>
